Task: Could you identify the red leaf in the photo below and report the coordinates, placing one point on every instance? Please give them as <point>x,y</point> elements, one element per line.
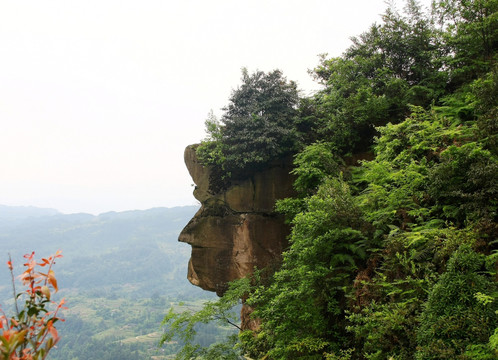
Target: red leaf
<point>52,280</point>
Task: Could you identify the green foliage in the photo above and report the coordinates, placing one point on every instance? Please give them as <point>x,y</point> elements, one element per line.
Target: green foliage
<point>428,170</point>
<point>313,165</point>
<point>465,183</point>
<point>343,355</point>
<point>396,190</point>
<point>412,159</point>
<point>470,36</point>
<point>385,317</point>
<point>258,125</point>
<point>453,317</point>
<point>183,325</point>
<point>225,350</point>
<point>390,66</point>
<point>387,330</point>
<point>348,107</point>
<point>211,151</point>
<point>485,91</point>
<point>301,308</point>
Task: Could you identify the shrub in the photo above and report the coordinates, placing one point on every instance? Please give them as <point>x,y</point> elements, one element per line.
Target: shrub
<point>454,317</point>
<point>30,334</point>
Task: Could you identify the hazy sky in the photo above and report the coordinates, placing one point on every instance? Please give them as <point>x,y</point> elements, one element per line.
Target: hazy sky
<point>98,99</point>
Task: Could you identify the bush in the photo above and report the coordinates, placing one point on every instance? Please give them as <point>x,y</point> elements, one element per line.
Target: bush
<point>454,317</point>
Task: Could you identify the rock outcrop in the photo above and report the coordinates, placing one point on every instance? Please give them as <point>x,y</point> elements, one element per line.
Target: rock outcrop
<point>236,229</point>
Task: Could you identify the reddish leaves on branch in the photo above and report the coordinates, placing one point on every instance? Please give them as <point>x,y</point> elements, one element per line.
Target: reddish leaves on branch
<point>30,334</point>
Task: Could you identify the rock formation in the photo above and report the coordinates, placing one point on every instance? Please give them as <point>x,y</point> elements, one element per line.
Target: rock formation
<point>236,229</point>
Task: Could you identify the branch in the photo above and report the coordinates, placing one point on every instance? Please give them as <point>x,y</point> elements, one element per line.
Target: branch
<point>228,321</point>
<point>13,285</point>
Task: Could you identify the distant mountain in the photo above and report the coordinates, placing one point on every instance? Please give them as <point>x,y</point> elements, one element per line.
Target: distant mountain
<point>120,272</point>
<point>20,213</point>
<point>112,249</point>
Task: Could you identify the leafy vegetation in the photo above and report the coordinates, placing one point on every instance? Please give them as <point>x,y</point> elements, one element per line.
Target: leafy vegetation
<point>184,324</point>
<point>120,274</point>
<point>258,125</point>
<point>30,334</point>
<point>395,257</point>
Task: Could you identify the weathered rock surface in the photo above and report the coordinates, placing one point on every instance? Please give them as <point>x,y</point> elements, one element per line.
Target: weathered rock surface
<point>237,229</point>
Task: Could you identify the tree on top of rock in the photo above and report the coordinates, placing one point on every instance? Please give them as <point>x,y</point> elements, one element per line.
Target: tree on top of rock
<point>257,125</point>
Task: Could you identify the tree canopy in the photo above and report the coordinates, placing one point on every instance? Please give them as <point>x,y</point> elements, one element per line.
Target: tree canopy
<point>258,125</point>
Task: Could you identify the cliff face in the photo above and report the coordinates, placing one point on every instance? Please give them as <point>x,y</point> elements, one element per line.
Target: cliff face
<point>237,229</point>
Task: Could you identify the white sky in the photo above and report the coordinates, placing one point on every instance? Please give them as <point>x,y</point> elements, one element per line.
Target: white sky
<point>98,99</point>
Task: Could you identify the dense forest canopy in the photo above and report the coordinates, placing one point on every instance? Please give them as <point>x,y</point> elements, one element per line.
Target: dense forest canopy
<point>396,257</point>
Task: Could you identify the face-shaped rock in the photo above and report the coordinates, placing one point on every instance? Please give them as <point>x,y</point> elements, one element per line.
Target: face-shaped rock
<point>236,229</point>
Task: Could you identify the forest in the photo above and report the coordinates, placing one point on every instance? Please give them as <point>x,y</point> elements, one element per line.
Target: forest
<point>393,249</point>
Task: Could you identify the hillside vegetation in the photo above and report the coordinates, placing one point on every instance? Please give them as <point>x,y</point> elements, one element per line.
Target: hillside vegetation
<point>393,257</point>
<point>120,273</point>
